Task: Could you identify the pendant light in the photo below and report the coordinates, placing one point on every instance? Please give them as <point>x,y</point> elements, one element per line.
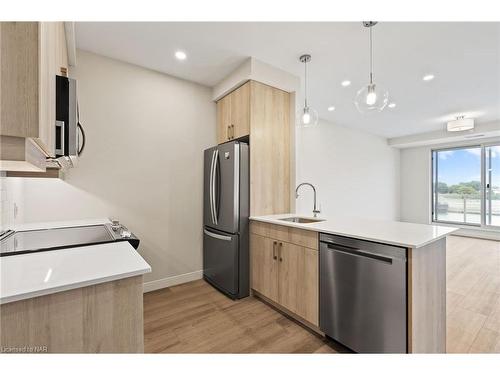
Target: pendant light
<point>371,98</point>
<point>307,116</point>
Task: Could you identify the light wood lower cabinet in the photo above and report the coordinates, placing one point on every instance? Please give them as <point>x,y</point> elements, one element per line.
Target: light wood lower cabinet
<point>286,273</point>
<point>102,318</point>
<point>264,266</point>
<point>298,280</point>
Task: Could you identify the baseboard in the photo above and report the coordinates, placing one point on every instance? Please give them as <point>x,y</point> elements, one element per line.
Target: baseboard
<point>477,233</point>
<point>171,281</point>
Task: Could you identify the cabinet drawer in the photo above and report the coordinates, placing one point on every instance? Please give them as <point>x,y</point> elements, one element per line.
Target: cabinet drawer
<point>295,236</point>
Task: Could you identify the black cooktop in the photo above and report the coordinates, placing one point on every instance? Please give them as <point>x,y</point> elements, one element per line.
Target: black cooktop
<point>30,241</point>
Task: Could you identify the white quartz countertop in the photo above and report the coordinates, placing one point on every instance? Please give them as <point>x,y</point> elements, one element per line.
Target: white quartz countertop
<point>390,232</point>
<point>31,275</point>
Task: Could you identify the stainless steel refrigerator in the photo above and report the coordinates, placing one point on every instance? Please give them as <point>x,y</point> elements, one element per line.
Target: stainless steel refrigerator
<point>225,218</point>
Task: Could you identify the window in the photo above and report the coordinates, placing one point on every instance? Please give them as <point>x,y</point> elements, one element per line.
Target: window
<point>466,185</point>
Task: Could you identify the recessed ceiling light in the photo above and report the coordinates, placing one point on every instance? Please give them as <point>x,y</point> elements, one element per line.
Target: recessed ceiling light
<point>428,77</point>
<point>331,108</point>
<point>180,55</point>
<point>346,83</point>
<point>391,105</point>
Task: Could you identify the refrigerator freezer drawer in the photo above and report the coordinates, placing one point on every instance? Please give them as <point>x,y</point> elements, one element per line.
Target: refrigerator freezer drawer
<point>220,260</point>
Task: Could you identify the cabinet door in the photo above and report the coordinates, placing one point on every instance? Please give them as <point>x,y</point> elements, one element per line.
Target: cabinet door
<point>308,291</point>
<point>47,87</point>
<point>61,48</point>
<point>19,79</point>
<point>291,260</point>
<point>270,154</point>
<point>53,57</point>
<point>223,119</point>
<point>264,268</point>
<point>298,280</point>
<point>240,111</point>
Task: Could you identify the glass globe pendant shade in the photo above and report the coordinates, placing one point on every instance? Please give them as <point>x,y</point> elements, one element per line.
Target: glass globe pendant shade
<point>307,117</point>
<point>371,98</point>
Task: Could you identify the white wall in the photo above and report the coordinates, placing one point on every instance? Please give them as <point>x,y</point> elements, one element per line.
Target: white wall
<point>11,201</point>
<point>356,174</point>
<point>415,185</point>
<point>143,162</point>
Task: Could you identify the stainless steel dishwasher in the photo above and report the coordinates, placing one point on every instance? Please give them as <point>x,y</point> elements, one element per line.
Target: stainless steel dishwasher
<point>363,294</point>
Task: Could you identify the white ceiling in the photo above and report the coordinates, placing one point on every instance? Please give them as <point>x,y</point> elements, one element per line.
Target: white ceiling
<point>464,57</point>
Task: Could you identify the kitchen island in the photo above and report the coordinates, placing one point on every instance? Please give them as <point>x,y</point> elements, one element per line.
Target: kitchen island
<point>285,269</point>
<point>84,299</point>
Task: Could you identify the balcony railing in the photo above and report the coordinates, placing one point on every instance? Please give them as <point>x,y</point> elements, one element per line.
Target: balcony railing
<point>467,209</point>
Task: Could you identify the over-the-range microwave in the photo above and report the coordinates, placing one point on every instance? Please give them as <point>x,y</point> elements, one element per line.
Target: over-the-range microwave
<point>68,143</point>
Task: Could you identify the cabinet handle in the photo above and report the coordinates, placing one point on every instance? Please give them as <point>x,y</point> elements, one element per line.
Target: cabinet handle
<point>274,250</point>
<point>228,132</point>
<point>281,251</point>
<point>232,131</point>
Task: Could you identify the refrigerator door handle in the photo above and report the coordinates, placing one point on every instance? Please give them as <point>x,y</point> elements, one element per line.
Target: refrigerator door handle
<point>217,236</point>
<point>214,194</point>
<point>211,188</point>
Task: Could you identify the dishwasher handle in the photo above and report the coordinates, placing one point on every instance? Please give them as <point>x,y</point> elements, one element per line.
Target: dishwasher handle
<point>358,252</point>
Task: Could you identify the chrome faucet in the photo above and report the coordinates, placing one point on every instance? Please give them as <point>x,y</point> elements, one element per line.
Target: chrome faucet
<point>315,210</point>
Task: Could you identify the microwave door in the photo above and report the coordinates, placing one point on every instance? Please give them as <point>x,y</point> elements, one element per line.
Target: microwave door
<point>66,113</point>
<point>59,149</point>
<point>72,119</point>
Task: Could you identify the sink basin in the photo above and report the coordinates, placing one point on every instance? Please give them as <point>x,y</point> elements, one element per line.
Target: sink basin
<point>301,220</point>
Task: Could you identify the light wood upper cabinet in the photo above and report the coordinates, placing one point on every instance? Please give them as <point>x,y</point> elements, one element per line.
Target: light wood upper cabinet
<point>233,114</point>
<point>269,150</point>
<point>261,112</point>
<point>19,79</point>
<point>240,111</point>
<point>286,272</point>
<point>224,119</point>
<point>31,54</point>
<point>53,57</point>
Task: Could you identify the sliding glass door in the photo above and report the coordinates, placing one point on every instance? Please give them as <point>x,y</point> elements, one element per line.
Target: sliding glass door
<point>492,185</point>
<point>466,185</point>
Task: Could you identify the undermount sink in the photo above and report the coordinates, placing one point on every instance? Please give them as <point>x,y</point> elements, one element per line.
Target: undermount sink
<point>301,220</point>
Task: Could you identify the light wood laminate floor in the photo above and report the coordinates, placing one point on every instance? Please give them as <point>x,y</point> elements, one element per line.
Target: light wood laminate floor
<point>195,318</point>
<point>473,295</point>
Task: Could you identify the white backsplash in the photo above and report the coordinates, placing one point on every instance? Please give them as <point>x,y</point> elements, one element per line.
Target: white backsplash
<point>11,201</point>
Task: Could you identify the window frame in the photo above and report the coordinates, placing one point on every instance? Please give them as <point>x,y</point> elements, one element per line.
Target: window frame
<point>483,182</point>
<point>434,171</point>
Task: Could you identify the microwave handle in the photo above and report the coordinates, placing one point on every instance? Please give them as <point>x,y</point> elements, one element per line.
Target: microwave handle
<point>82,147</point>
<point>79,125</point>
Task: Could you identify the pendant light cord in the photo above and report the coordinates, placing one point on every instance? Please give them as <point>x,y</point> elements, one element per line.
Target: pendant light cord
<point>305,84</point>
<point>371,56</point>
